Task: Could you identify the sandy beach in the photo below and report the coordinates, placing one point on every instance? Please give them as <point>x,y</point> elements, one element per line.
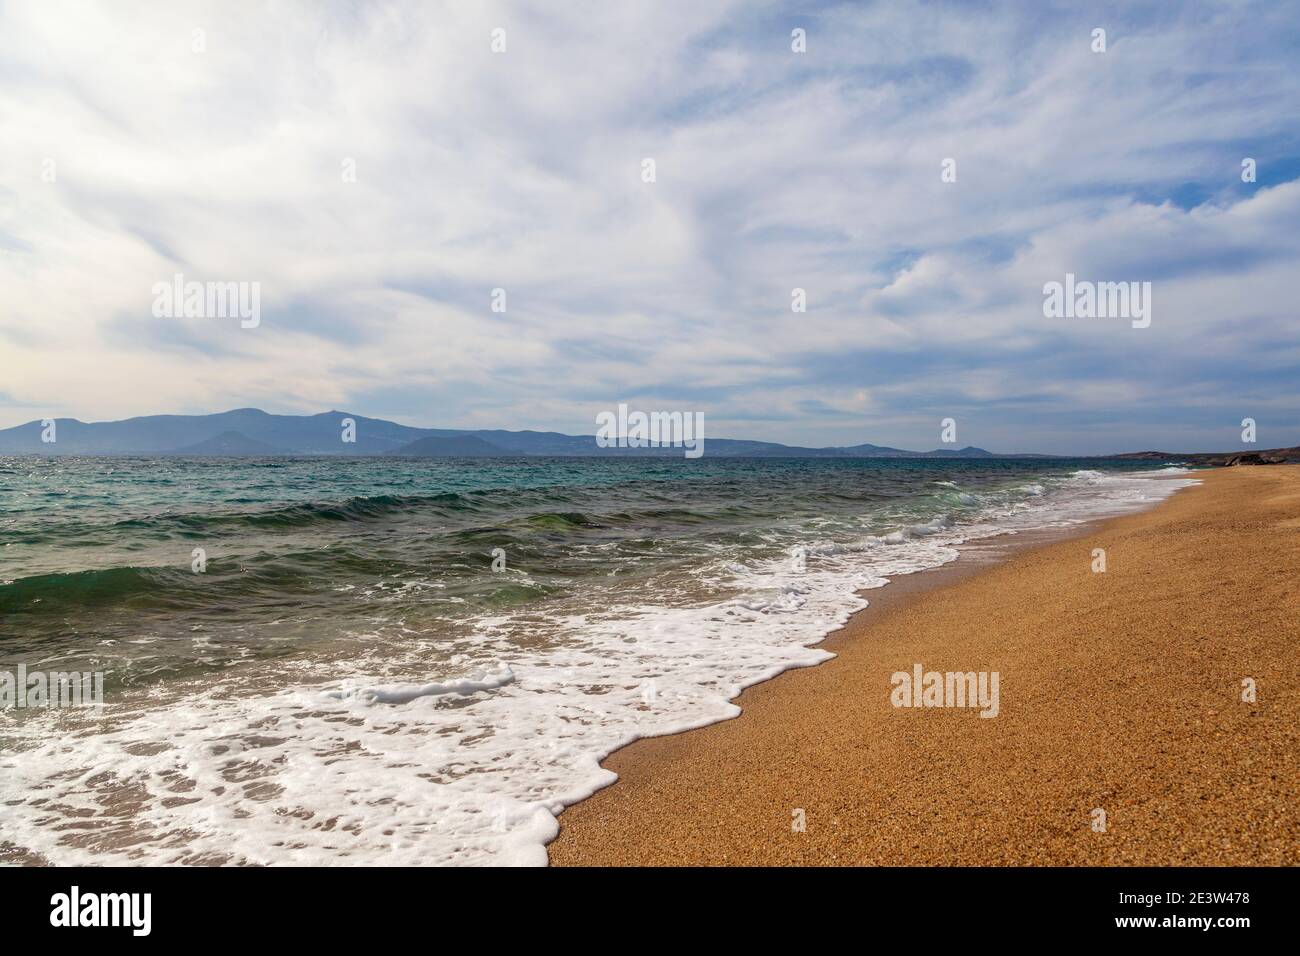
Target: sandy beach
<point>1119,691</point>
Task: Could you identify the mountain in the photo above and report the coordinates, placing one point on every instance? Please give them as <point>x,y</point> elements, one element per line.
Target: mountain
<point>1267,456</point>
<point>253,432</point>
<point>884,451</point>
<point>230,445</point>
<point>877,451</point>
<point>321,434</point>
<point>970,451</point>
<point>456,446</point>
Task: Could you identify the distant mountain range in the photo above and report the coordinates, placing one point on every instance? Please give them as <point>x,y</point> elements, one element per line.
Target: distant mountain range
<point>251,432</point>
<point>1269,456</point>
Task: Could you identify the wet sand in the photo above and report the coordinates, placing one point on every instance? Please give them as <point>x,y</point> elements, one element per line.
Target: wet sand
<point>1119,692</point>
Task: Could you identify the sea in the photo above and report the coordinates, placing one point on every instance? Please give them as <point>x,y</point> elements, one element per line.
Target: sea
<point>400,661</point>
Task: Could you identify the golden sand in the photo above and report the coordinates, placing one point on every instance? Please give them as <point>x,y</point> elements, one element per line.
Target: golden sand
<point>1119,691</point>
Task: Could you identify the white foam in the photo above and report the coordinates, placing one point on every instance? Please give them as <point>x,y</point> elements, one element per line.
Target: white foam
<point>286,763</point>
<point>465,687</point>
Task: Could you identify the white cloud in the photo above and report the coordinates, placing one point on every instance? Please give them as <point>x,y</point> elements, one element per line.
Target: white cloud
<point>522,170</point>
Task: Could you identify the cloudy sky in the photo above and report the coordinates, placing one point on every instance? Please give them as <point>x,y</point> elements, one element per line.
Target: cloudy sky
<point>133,148</point>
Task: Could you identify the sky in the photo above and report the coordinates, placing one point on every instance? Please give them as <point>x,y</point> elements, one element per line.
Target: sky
<point>378,169</point>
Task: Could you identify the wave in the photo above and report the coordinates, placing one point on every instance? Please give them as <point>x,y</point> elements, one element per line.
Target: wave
<point>505,504</point>
<point>55,593</point>
<point>357,509</point>
<point>559,521</point>
<point>234,584</point>
<point>463,687</point>
<point>298,515</point>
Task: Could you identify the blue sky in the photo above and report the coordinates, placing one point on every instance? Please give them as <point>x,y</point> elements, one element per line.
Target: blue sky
<point>521,170</point>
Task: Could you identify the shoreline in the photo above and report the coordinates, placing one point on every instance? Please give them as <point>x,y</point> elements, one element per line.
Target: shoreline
<point>880,785</point>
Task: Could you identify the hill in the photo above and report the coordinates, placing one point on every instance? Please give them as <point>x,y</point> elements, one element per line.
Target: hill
<point>1267,456</point>
<point>231,445</point>
<point>456,446</point>
<point>253,432</point>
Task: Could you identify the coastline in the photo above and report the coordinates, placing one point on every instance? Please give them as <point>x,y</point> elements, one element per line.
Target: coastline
<point>1119,691</point>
